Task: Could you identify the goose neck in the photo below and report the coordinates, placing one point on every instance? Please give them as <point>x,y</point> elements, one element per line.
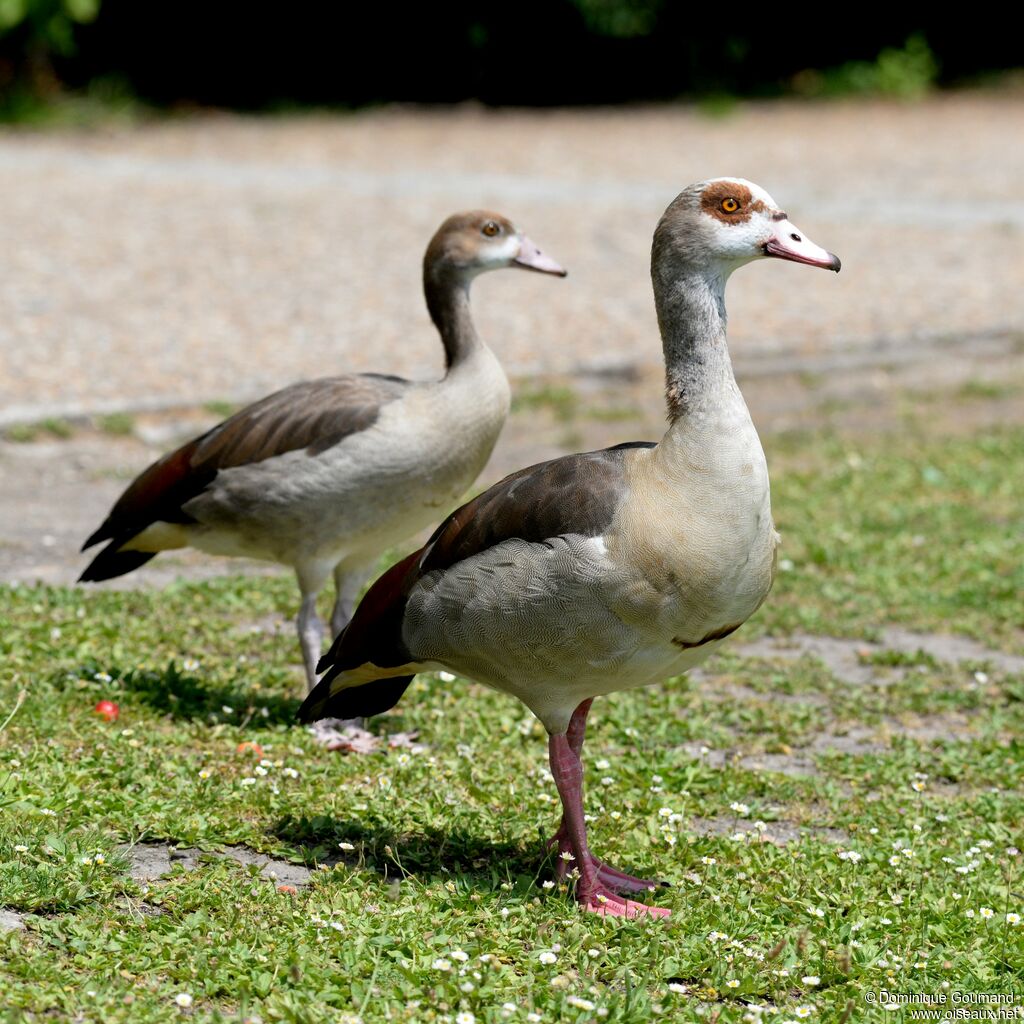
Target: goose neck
<point>447,294</point>
<point>692,320</point>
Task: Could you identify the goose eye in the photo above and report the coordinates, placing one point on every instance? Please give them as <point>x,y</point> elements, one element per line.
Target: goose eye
<point>490,229</point>
<point>730,205</point>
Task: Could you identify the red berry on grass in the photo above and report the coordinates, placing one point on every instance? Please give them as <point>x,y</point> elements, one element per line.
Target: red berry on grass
<point>107,710</point>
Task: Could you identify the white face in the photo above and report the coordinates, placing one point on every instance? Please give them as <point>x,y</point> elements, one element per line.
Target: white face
<point>503,246</point>
<point>742,223</point>
<point>500,250</point>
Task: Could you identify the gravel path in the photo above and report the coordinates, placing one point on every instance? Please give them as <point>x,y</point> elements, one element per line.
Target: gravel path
<point>220,257</point>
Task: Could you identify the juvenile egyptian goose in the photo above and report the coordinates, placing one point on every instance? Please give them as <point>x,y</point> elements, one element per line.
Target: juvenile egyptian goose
<point>324,476</point>
<point>606,570</point>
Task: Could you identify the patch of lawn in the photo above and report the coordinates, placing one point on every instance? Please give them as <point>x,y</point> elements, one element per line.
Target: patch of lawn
<point>825,839</point>
<point>53,427</point>
<point>120,424</point>
<point>913,533</point>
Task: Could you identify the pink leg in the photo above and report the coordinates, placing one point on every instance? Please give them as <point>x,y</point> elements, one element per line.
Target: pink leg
<point>578,726</point>
<point>611,877</point>
<point>591,891</point>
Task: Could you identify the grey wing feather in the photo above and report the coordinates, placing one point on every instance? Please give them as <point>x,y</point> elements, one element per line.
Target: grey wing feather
<point>313,415</point>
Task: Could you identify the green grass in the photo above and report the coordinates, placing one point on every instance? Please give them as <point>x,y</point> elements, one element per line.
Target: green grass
<point>53,427</point>
<point>987,389</point>
<point>436,852</point>
<point>221,407</point>
<point>120,424</point>
<point>907,532</point>
<point>562,401</point>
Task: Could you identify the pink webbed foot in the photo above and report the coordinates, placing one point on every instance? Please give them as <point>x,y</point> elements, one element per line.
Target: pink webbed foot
<point>619,881</point>
<point>611,878</point>
<point>601,900</point>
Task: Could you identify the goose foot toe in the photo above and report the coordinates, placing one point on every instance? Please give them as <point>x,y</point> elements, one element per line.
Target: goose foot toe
<point>602,900</point>
<point>619,881</point>
<point>348,736</point>
<point>609,877</point>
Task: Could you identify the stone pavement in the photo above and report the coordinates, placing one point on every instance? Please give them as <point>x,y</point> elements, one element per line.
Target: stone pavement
<point>220,257</point>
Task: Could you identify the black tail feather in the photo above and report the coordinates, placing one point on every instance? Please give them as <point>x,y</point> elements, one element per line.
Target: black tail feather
<point>355,702</point>
<point>326,662</point>
<point>102,533</point>
<point>110,563</point>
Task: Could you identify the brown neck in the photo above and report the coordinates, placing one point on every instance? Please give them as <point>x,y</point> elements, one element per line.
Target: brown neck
<point>447,294</point>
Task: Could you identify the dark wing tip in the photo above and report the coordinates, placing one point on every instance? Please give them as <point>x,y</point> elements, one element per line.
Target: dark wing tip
<point>313,708</point>
<point>95,537</point>
<point>110,563</point>
<point>372,698</point>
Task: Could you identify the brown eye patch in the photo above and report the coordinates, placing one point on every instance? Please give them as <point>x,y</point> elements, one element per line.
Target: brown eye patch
<point>729,202</point>
<point>490,229</point>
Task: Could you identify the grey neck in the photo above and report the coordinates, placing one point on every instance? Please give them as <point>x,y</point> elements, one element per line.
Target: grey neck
<point>447,294</point>
<point>691,317</point>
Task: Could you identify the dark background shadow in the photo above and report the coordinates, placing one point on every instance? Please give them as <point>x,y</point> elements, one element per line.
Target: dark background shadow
<point>530,53</point>
<point>188,697</point>
<point>449,853</point>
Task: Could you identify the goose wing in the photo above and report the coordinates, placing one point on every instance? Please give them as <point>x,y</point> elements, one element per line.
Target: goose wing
<point>313,415</point>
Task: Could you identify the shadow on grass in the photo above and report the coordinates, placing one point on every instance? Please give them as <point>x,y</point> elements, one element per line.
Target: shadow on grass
<point>453,853</point>
<point>187,697</point>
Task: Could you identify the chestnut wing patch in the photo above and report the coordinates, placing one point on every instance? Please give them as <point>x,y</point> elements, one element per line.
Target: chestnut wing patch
<point>315,416</point>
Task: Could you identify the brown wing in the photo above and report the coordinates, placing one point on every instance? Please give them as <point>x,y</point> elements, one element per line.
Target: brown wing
<point>314,415</point>
<point>572,494</point>
<point>575,494</point>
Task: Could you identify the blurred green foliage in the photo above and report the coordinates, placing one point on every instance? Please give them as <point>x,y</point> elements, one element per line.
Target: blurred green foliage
<point>907,73</point>
<point>33,34</point>
<point>49,24</point>
<point>620,20</point>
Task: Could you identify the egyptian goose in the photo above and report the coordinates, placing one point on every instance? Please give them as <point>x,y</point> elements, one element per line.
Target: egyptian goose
<point>606,570</point>
<point>324,476</point>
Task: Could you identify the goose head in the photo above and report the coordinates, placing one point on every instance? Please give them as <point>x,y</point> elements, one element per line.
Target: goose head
<point>471,243</point>
<point>715,226</point>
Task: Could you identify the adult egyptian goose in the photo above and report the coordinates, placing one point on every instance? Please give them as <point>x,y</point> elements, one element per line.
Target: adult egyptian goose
<point>324,476</point>
<point>607,570</point>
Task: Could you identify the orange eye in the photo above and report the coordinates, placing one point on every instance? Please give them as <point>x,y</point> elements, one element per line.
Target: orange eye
<point>490,229</point>
<point>730,205</point>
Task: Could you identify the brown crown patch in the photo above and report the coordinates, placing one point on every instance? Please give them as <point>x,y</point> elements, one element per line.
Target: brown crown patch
<point>717,192</point>
<point>459,238</point>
